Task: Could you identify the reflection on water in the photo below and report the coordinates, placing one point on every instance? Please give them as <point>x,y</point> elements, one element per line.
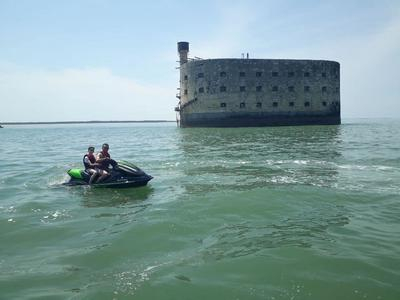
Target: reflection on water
<point>247,158</point>
<point>104,197</point>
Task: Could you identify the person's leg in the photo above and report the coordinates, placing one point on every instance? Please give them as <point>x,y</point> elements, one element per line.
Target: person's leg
<point>103,175</point>
<point>94,175</point>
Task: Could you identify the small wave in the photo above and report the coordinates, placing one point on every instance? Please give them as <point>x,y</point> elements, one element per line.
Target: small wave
<point>305,231</point>
<point>128,282</point>
<point>56,215</point>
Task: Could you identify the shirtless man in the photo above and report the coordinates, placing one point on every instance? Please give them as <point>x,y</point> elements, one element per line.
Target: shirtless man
<point>103,160</point>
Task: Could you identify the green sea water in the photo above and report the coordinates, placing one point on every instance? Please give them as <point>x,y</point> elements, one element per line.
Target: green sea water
<point>307,212</point>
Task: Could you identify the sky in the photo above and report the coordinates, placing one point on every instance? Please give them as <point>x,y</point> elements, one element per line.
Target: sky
<point>76,60</point>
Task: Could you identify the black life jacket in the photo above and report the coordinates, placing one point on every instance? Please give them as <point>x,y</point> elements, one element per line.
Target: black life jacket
<point>92,159</point>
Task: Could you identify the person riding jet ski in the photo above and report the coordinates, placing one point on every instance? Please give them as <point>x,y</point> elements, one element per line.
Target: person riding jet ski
<point>89,161</point>
<point>103,161</point>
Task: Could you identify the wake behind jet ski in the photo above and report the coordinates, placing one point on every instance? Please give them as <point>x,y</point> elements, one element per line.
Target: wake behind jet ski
<point>122,174</point>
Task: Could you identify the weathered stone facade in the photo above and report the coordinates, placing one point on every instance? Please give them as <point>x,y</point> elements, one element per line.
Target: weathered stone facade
<point>258,92</point>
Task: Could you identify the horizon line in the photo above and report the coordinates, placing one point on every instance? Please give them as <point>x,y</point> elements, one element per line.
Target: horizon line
<point>84,122</point>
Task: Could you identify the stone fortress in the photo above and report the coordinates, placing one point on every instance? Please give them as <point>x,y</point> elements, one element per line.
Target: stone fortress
<point>244,92</point>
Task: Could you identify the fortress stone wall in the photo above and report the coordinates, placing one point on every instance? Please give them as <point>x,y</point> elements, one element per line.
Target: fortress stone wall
<point>258,92</point>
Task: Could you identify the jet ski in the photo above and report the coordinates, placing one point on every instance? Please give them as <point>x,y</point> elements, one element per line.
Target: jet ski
<point>122,174</point>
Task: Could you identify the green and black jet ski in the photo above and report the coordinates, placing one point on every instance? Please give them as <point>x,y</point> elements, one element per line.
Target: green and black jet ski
<point>122,174</point>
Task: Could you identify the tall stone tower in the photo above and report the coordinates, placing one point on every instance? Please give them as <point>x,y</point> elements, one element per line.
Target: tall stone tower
<point>183,50</point>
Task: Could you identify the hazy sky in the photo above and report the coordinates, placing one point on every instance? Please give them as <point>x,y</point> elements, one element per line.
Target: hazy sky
<point>116,60</point>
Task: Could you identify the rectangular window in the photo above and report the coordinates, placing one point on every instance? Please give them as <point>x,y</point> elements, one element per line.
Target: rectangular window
<point>291,104</point>
<point>306,74</point>
<point>324,89</point>
<point>242,105</point>
<point>258,74</point>
<point>242,88</point>
<point>323,74</point>
<point>201,90</point>
<point>306,88</point>
<point>306,104</point>
<point>259,104</point>
<point>185,92</point>
<point>222,74</point>
<point>223,104</point>
<point>291,88</point>
<point>275,74</point>
<point>275,104</point>
<point>324,103</point>
<point>200,75</point>
<point>291,74</point>
<point>242,74</point>
<point>222,89</point>
<point>259,88</point>
<point>185,77</point>
<point>275,88</point>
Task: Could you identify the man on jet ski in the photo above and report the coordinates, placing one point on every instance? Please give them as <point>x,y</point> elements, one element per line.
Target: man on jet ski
<point>103,160</point>
<point>89,161</point>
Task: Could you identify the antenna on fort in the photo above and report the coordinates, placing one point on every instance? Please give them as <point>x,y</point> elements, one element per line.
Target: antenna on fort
<point>247,55</point>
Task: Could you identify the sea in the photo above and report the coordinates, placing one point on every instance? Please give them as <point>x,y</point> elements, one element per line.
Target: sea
<point>305,212</point>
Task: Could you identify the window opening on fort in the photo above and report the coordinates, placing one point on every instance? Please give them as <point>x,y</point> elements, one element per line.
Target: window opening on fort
<point>259,88</point>
<point>275,88</point>
<point>291,74</point>
<point>185,92</point>
<point>306,88</point>
<point>185,77</point>
<point>275,104</point>
<point>324,103</point>
<point>275,74</point>
<point>307,104</point>
<point>222,74</point>
<point>222,89</point>
<point>242,105</point>
<point>323,74</point>
<point>259,104</point>
<point>223,104</point>
<point>242,88</point>
<point>258,74</point>
<point>306,74</point>
<point>324,89</point>
<point>291,88</point>
<point>291,104</point>
<point>200,75</point>
<point>201,90</point>
<point>242,74</point>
